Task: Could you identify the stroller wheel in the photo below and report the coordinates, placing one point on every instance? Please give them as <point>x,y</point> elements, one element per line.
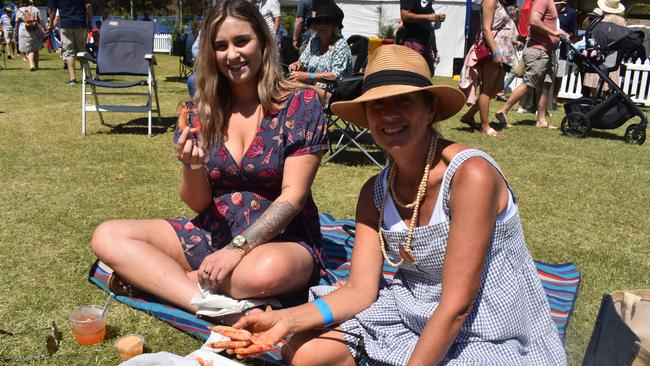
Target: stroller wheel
<point>576,124</point>
<point>635,134</point>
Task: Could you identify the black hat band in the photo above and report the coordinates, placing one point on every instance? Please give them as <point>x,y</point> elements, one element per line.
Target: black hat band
<point>394,77</point>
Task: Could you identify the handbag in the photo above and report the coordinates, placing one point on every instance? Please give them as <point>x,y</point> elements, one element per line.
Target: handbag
<point>518,70</point>
<point>621,335</point>
<point>481,50</point>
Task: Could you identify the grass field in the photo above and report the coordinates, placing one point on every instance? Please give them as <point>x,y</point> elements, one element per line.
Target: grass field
<point>581,200</point>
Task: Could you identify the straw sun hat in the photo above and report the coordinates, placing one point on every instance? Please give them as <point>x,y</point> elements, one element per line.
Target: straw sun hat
<point>611,6</point>
<point>395,70</point>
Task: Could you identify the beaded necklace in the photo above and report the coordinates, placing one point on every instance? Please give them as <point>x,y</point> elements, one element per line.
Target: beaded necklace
<point>405,251</point>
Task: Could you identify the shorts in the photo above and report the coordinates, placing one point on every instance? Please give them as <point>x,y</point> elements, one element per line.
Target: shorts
<point>9,36</point>
<point>425,50</point>
<point>538,67</point>
<point>73,40</point>
<point>197,243</point>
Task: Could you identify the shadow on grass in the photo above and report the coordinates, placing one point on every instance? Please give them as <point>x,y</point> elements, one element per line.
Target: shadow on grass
<point>356,157</point>
<point>352,155</point>
<point>176,79</point>
<point>139,126</point>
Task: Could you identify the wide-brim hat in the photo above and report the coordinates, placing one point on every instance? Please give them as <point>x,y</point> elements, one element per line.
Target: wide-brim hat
<point>611,6</point>
<point>395,70</point>
<point>328,11</point>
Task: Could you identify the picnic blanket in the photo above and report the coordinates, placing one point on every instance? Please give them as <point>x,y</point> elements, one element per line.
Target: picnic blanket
<point>560,281</point>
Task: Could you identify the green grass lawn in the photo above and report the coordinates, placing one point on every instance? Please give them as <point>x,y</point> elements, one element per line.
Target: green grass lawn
<point>581,200</point>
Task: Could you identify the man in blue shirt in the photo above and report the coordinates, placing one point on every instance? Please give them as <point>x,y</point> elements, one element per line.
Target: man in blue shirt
<point>76,18</point>
<point>300,34</point>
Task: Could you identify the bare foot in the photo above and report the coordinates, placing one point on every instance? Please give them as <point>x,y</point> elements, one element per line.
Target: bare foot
<point>491,132</point>
<point>545,125</point>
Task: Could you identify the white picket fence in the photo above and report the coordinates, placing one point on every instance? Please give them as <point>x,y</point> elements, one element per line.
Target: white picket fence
<point>635,83</point>
<point>162,43</point>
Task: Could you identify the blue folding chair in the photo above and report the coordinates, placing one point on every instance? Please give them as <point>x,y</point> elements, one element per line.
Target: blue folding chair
<point>125,48</point>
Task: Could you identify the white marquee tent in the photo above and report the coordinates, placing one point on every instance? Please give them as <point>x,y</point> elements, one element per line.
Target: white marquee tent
<point>364,17</point>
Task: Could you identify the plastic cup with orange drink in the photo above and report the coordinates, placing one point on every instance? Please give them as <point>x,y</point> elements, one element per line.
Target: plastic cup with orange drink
<point>129,346</point>
<point>88,324</point>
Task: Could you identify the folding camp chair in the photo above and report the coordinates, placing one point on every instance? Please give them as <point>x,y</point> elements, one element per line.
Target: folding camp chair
<point>125,48</point>
<point>346,89</point>
<point>186,60</point>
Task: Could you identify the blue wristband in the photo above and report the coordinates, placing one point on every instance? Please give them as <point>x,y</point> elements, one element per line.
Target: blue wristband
<point>328,317</point>
<point>496,54</point>
<point>312,76</point>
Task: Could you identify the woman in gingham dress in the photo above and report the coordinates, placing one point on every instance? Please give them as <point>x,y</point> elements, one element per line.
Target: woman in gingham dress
<point>466,292</point>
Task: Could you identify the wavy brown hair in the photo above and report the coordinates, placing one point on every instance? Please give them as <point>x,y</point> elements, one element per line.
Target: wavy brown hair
<point>213,96</point>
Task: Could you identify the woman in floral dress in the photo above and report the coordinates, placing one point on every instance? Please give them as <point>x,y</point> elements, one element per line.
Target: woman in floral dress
<point>250,149</point>
<point>327,56</point>
<point>496,34</point>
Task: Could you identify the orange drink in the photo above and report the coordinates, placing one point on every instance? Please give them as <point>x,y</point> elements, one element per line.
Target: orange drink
<point>88,324</point>
<point>129,346</point>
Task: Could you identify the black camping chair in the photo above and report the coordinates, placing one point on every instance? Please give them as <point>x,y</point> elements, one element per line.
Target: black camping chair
<point>359,48</point>
<point>349,133</point>
<point>125,49</point>
<point>186,60</point>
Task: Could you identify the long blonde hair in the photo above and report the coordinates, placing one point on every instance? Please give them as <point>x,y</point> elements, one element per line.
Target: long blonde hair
<point>213,96</point>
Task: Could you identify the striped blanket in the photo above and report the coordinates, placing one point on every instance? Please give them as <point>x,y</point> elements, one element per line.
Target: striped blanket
<point>560,281</point>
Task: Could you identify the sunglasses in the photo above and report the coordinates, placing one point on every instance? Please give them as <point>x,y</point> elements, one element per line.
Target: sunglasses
<point>52,343</point>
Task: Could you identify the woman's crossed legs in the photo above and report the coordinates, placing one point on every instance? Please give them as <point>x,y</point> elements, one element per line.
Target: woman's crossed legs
<point>149,255</point>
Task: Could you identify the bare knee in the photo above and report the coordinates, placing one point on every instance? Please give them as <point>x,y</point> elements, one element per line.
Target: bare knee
<point>107,240</point>
<point>272,277</point>
<point>310,350</point>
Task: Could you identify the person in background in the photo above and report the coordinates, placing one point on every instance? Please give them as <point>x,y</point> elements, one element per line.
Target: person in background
<point>301,33</point>
<point>249,153</point>
<point>30,40</point>
<point>568,18</point>
<point>92,41</point>
<point>327,56</point>
<point>8,31</point>
<point>496,35</point>
<point>538,59</point>
<point>466,291</point>
<point>76,17</point>
<point>146,17</point>
<point>610,10</point>
<point>513,11</point>
<point>638,52</point>
<point>270,10</point>
<point>417,16</point>
<point>191,80</point>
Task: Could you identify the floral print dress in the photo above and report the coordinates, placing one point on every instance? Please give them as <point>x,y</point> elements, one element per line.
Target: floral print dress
<point>242,192</point>
<point>337,59</point>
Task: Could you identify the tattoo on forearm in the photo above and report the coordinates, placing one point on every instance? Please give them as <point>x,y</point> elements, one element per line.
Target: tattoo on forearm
<point>271,223</point>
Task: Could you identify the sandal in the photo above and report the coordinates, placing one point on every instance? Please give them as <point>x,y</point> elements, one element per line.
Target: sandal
<point>120,287</point>
<point>547,126</point>
<point>503,120</point>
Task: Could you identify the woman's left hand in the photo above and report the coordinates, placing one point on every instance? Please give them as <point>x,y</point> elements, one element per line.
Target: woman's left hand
<point>299,76</point>
<point>217,266</point>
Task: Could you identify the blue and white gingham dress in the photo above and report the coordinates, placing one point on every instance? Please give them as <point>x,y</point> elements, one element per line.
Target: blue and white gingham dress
<point>510,322</point>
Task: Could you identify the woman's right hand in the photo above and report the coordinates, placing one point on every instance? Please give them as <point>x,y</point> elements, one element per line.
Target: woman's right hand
<point>268,327</point>
<point>187,148</point>
<point>295,66</point>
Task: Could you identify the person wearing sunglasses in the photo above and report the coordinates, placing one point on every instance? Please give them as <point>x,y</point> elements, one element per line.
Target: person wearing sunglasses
<point>466,291</point>
<point>52,344</point>
<point>327,56</point>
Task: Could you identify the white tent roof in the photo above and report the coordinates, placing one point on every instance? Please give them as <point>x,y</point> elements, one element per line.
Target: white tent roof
<point>364,17</point>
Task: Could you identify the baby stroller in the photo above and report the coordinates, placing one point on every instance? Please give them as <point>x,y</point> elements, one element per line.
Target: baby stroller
<point>616,108</point>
